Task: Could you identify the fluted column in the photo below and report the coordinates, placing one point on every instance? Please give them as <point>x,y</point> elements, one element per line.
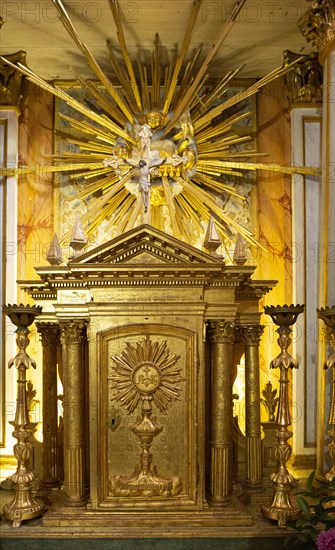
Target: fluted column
<point>74,336</point>
<point>221,336</point>
<point>50,336</point>
<point>318,27</point>
<point>251,336</point>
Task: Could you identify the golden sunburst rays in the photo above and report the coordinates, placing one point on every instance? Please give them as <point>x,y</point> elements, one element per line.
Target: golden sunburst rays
<point>188,118</point>
<point>146,370</point>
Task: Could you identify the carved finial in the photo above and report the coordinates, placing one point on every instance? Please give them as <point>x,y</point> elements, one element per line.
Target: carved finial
<point>212,238</point>
<point>78,239</point>
<point>240,254</point>
<point>54,254</point>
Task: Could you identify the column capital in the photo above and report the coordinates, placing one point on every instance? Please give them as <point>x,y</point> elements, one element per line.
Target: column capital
<point>11,93</point>
<point>74,332</point>
<point>304,80</point>
<point>318,25</point>
<point>50,333</point>
<point>251,334</point>
<point>221,331</point>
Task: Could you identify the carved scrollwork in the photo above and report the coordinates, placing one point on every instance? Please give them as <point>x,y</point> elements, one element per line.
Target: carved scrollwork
<point>251,335</point>
<point>144,374</point>
<point>318,24</point>
<point>50,333</point>
<point>221,331</point>
<point>73,332</point>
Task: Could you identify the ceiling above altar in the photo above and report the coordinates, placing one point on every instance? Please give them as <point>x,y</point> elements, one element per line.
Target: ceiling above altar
<point>263,30</point>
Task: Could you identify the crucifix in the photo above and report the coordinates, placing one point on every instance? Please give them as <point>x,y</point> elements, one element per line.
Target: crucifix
<point>145,167</point>
<point>145,160</point>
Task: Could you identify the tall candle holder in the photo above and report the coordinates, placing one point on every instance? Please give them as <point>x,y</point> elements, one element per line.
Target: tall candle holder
<point>328,316</point>
<point>280,508</point>
<point>23,506</point>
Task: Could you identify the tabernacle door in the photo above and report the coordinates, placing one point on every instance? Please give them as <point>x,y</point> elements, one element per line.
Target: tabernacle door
<point>148,410</point>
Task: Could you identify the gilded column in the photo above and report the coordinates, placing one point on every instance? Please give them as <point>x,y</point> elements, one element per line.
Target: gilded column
<point>221,335</point>
<point>74,336</point>
<point>50,336</point>
<point>251,336</point>
<point>318,27</point>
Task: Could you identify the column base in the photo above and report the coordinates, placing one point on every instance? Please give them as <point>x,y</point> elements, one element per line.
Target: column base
<point>50,484</point>
<point>66,501</point>
<point>254,486</point>
<point>212,503</point>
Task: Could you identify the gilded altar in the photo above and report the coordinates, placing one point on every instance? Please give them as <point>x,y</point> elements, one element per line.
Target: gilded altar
<point>150,331</point>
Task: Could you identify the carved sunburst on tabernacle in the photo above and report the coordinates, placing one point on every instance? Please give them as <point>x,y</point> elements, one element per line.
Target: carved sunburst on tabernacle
<point>194,116</point>
<point>146,371</point>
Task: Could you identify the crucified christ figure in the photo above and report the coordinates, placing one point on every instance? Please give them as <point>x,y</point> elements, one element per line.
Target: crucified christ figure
<point>145,168</point>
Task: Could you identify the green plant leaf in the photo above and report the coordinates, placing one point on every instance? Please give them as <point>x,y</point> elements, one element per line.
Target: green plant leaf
<point>303,505</point>
<point>325,519</point>
<point>302,523</point>
<point>319,510</point>
<point>310,481</point>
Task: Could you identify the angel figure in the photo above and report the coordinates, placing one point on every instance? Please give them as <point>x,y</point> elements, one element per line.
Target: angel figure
<point>145,135</point>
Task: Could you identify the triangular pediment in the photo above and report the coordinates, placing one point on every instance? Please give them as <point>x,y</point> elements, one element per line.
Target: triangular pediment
<point>145,245</point>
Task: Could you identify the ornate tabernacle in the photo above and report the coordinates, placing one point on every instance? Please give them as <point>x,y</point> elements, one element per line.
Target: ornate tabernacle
<point>148,325</point>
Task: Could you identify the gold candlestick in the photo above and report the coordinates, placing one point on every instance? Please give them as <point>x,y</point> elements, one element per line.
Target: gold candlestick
<point>23,506</point>
<point>280,507</point>
<point>328,316</point>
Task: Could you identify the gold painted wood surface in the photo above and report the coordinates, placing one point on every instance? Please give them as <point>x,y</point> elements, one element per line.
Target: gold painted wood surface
<point>146,297</point>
